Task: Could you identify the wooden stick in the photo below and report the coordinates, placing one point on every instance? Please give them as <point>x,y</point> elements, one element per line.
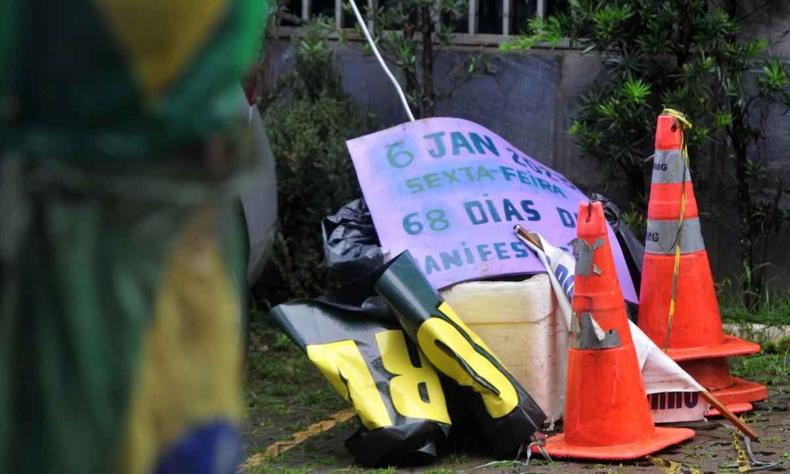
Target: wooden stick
<point>730,416</point>
<point>524,233</point>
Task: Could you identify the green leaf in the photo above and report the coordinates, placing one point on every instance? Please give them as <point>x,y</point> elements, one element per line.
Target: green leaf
<point>722,120</point>
<point>636,91</point>
<point>610,18</point>
<point>753,48</point>
<point>576,128</point>
<point>774,76</point>
<point>608,109</point>
<point>541,30</point>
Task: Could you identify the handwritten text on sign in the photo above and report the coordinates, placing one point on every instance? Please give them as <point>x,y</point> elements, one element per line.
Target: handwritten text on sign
<point>450,191</point>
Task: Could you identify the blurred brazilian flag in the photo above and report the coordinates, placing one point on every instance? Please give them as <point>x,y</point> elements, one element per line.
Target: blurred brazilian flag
<point>121,258</point>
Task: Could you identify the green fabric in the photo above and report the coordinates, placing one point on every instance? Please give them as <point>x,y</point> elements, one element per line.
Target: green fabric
<point>95,183</point>
<point>8,47</point>
<point>75,97</point>
<point>78,295</point>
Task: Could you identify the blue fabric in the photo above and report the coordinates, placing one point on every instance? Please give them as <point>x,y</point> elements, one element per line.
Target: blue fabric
<point>213,448</point>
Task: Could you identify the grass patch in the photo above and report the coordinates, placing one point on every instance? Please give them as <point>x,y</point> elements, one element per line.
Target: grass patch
<point>773,310</point>
<point>359,469</point>
<point>285,393</point>
<point>771,367</point>
<point>439,470</point>
<point>277,468</point>
<point>457,458</point>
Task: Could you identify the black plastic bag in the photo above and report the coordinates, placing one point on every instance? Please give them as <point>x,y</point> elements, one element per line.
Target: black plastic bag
<point>351,245</point>
<point>633,249</point>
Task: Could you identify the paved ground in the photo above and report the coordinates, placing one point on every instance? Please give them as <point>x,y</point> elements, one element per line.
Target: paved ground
<point>286,395</point>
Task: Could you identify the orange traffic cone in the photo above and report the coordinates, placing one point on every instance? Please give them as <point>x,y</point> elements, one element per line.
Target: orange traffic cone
<point>606,410</point>
<point>678,309</point>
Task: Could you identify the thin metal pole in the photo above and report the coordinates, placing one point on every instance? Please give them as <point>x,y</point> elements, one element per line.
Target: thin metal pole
<point>339,14</point>
<point>373,6</point>
<point>375,49</point>
<point>473,10</point>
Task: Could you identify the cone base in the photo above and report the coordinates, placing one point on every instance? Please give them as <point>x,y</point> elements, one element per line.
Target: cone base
<point>735,408</point>
<point>732,346</point>
<point>741,391</point>
<point>662,438</point>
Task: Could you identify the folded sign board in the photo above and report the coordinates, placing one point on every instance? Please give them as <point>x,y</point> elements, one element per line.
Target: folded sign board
<point>450,191</point>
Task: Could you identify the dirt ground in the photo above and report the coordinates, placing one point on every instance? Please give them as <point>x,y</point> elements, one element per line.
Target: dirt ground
<point>712,450</point>
<point>286,395</point>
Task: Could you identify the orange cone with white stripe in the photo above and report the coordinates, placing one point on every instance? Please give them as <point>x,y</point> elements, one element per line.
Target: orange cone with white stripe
<point>678,309</point>
<point>606,410</point>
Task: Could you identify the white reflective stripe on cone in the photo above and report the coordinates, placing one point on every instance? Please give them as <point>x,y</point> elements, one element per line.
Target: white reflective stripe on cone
<point>669,167</point>
<point>662,235</point>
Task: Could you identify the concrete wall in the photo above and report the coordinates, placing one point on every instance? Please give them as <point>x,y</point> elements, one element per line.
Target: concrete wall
<point>772,22</point>
<point>529,100</point>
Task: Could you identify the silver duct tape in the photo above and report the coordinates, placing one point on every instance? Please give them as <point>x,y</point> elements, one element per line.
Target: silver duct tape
<point>661,236</point>
<point>669,167</point>
<point>584,337</point>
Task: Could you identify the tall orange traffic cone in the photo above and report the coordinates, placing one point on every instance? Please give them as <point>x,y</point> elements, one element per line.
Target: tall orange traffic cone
<point>606,410</point>
<point>678,309</point>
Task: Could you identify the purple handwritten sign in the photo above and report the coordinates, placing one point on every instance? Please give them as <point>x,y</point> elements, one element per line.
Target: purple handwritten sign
<point>450,191</point>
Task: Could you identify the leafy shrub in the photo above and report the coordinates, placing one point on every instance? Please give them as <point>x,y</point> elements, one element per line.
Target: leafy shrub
<point>685,55</point>
<point>408,36</point>
<point>308,125</point>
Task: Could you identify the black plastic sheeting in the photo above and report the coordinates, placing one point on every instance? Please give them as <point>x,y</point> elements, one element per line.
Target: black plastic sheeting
<point>351,245</point>
<point>354,314</point>
<point>506,414</point>
<point>633,248</point>
<point>407,399</point>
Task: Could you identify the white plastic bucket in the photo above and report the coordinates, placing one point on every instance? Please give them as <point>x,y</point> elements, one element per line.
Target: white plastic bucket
<point>519,322</point>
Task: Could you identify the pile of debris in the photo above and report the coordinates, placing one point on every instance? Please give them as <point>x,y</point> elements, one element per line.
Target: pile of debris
<point>456,323</point>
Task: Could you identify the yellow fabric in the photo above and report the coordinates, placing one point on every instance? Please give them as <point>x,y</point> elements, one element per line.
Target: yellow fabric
<point>190,368</point>
<point>343,365</point>
<point>159,46</point>
<point>498,393</point>
<point>448,311</point>
<point>407,379</point>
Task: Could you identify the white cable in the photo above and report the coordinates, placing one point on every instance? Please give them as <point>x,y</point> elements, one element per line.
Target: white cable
<point>395,83</point>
